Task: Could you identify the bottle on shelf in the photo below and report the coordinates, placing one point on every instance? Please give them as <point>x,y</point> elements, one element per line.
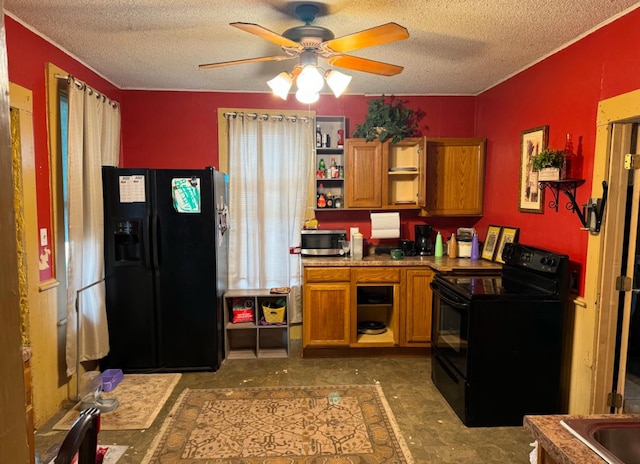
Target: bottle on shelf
<point>333,168</point>
<point>329,198</point>
<point>340,138</point>
<point>321,198</point>
<point>567,162</point>
<point>322,169</point>
<point>318,136</point>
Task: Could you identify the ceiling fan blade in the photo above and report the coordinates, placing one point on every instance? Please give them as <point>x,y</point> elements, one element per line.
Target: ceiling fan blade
<point>378,35</point>
<point>365,65</point>
<point>248,60</point>
<point>266,34</point>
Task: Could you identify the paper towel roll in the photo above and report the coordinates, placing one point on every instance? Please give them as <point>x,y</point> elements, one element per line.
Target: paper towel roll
<point>385,225</point>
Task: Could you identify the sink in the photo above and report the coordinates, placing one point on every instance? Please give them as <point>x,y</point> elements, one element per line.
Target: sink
<point>615,439</point>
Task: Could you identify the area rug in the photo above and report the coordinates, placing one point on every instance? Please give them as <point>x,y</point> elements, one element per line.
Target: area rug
<point>141,397</point>
<point>280,425</point>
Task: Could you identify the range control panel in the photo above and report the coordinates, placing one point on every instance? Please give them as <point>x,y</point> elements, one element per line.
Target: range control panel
<point>537,259</point>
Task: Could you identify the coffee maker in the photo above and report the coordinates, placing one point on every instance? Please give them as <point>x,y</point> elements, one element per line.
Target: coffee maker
<point>424,244</point>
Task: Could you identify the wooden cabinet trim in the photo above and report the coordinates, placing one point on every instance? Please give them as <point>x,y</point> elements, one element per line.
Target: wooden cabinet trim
<point>378,274</point>
<point>327,274</point>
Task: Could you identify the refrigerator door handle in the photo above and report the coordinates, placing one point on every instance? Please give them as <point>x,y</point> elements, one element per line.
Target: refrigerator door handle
<point>155,240</point>
<point>145,243</point>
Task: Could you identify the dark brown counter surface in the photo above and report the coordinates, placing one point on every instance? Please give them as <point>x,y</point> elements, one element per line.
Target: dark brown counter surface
<point>559,443</point>
<point>443,264</point>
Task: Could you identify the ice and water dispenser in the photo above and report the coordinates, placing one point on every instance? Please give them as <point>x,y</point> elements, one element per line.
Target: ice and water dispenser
<point>128,241</point>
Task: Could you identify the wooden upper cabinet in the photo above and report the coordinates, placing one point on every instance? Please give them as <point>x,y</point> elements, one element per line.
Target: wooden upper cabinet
<point>385,175</point>
<point>455,176</point>
<point>363,174</point>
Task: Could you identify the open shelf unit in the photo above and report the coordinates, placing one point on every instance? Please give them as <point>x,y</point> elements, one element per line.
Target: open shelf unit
<point>255,339</point>
<point>332,181</point>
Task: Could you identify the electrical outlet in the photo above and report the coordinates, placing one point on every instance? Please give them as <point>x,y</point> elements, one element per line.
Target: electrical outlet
<point>44,240</point>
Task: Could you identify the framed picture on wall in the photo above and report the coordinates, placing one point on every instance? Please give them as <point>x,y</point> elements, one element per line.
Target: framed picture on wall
<point>531,196</point>
<point>509,235</point>
<point>491,242</point>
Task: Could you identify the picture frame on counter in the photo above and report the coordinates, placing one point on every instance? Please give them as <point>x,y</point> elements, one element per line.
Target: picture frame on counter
<point>509,235</point>
<point>491,242</point>
<point>532,141</point>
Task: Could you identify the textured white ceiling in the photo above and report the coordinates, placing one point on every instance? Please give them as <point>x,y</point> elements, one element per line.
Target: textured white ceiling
<point>456,47</point>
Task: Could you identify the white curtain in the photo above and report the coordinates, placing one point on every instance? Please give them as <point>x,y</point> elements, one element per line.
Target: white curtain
<point>269,171</point>
<point>93,141</point>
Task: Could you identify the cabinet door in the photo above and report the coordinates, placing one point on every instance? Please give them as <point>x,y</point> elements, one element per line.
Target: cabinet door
<point>326,314</point>
<point>417,314</point>
<point>455,176</point>
<point>364,174</point>
<point>405,172</point>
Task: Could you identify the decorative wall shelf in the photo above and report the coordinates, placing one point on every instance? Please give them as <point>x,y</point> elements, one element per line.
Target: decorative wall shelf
<point>568,187</point>
<point>590,215</point>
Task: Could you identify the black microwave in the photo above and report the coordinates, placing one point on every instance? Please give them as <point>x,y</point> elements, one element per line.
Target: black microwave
<point>322,242</point>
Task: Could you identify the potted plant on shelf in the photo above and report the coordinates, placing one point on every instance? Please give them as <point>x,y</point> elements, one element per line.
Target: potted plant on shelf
<point>549,164</point>
<point>388,118</point>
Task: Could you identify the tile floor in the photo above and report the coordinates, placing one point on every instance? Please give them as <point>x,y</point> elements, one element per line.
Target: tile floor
<point>430,427</point>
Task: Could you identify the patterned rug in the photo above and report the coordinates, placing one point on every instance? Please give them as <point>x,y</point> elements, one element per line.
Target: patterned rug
<point>280,425</point>
<point>141,397</point>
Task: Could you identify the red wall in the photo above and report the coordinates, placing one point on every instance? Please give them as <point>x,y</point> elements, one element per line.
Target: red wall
<point>562,92</point>
<point>180,129</point>
<point>27,55</point>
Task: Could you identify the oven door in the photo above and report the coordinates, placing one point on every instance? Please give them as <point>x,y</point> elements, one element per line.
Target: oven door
<point>450,329</point>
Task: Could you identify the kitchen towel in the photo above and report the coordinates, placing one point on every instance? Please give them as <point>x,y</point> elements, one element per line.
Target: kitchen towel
<point>385,225</point>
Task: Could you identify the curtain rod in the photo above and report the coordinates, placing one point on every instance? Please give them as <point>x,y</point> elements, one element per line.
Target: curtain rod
<point>265,116</point>
<point>81,85</point>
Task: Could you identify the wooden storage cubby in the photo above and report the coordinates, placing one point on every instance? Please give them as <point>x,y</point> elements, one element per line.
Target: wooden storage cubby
<point>330,125</point>
<point>247,340</point>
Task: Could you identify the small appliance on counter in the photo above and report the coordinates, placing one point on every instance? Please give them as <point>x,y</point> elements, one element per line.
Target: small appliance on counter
<point>322,242</point>
<point>424,243</point>
<point>464,238</point>
<point>408,247</point>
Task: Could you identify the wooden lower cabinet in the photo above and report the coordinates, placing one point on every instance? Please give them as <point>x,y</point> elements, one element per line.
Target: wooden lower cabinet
<point>336,299</point>
<point>377,296</point>
<point>417,308</point>
<point>325,308</point>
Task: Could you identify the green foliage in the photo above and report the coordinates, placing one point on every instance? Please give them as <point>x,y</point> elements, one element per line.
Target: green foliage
<point>388,118</point>
<point>547,159</point>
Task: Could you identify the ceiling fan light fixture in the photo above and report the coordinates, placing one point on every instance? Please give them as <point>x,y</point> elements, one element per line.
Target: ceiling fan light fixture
<point>307,97</point>
<point>310,80</point>
<point>337,81</point>
<point>281,84</point>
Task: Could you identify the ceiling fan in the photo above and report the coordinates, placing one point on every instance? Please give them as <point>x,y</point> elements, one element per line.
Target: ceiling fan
<point>308,42</point>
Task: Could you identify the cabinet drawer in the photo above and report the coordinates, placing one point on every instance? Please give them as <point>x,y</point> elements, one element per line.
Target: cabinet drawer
<point>327,274</point>
<point>374,274</point>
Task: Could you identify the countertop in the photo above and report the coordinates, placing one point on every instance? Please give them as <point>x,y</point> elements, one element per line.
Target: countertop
<point>559,443</point>
<point>443,264</point>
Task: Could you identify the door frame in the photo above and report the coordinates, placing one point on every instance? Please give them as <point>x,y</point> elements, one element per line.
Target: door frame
<point>600,313</point>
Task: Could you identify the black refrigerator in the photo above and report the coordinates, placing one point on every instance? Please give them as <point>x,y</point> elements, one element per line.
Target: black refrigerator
<point>165,247</point>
